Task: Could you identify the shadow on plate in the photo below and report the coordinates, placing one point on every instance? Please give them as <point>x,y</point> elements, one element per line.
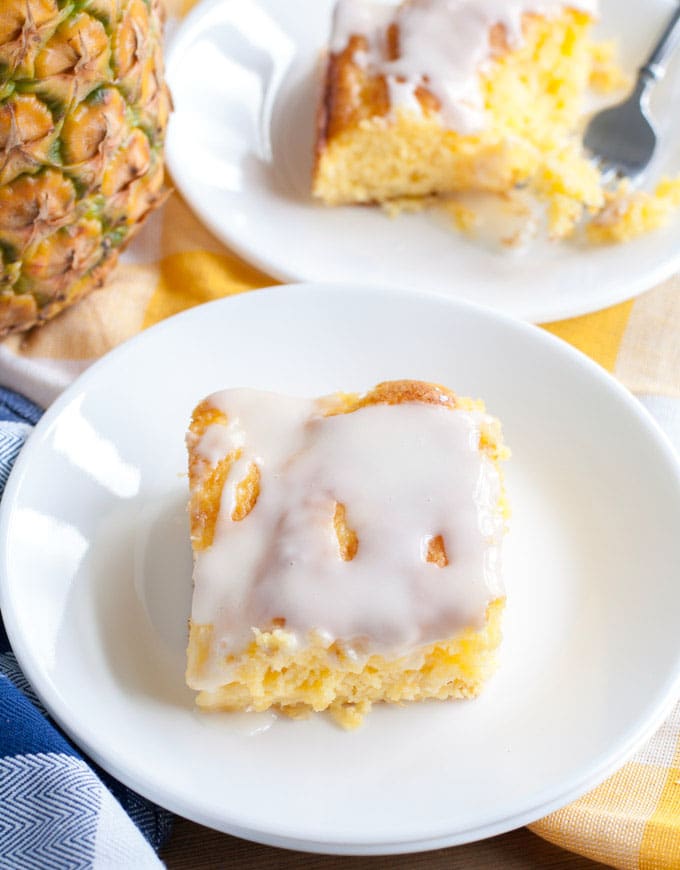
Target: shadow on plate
<point>135,592</point>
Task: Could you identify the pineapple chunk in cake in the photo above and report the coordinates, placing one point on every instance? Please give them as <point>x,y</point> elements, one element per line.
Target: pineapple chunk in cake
<point>346,549</point>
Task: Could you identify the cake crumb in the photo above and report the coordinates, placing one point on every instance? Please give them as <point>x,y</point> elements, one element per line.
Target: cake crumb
<point>606,75</point>
<point>629,213</point>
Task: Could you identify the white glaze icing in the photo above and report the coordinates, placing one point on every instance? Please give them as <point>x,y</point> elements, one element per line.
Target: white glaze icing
<point>443,44</point>
<point>405,473</point>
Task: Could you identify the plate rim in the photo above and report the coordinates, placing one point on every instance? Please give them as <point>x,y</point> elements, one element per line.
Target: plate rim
<point>537,312</point>
<point>147,786</point>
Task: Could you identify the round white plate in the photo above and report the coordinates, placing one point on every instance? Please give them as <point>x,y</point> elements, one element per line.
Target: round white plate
<point>95,571</point>
<point>245,75</point>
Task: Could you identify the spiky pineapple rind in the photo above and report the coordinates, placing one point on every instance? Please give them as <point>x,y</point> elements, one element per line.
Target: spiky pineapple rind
<point>83,111</point>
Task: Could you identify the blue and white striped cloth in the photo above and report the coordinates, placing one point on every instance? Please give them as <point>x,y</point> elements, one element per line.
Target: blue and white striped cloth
<point>57,810</point>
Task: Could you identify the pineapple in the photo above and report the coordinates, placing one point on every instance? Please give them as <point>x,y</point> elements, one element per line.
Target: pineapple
<point>83,111</point>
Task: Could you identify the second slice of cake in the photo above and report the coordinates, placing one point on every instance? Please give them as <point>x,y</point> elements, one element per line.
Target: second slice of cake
<point>439,97</point>
<point>347,550</point>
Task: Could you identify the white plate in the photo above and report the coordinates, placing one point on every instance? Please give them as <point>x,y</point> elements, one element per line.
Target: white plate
<point>95,573</point>
<point>244,77</point>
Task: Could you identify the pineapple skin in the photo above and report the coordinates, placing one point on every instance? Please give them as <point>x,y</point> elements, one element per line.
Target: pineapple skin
<point>83,113</point>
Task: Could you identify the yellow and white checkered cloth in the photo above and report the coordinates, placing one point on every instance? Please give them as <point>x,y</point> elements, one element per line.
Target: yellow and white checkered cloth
<point>633,819</point>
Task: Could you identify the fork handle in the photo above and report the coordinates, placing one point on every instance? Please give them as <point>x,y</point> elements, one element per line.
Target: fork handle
<point>655,67</point>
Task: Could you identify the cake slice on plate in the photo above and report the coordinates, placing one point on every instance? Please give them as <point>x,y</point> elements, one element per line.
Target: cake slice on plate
<point>347,550</point>
<point>439,97</point>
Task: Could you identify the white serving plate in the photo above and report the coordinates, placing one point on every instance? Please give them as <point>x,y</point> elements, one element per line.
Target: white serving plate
<point>95,578</point>
<point>245,75</point>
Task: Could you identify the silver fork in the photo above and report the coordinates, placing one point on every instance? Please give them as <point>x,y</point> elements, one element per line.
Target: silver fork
<point>622,139</point>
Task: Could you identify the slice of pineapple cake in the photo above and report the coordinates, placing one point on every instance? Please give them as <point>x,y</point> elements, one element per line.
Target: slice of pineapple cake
<point>347,550</point>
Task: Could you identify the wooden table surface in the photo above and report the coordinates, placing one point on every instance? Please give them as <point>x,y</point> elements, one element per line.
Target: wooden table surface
<point>192,847</point>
